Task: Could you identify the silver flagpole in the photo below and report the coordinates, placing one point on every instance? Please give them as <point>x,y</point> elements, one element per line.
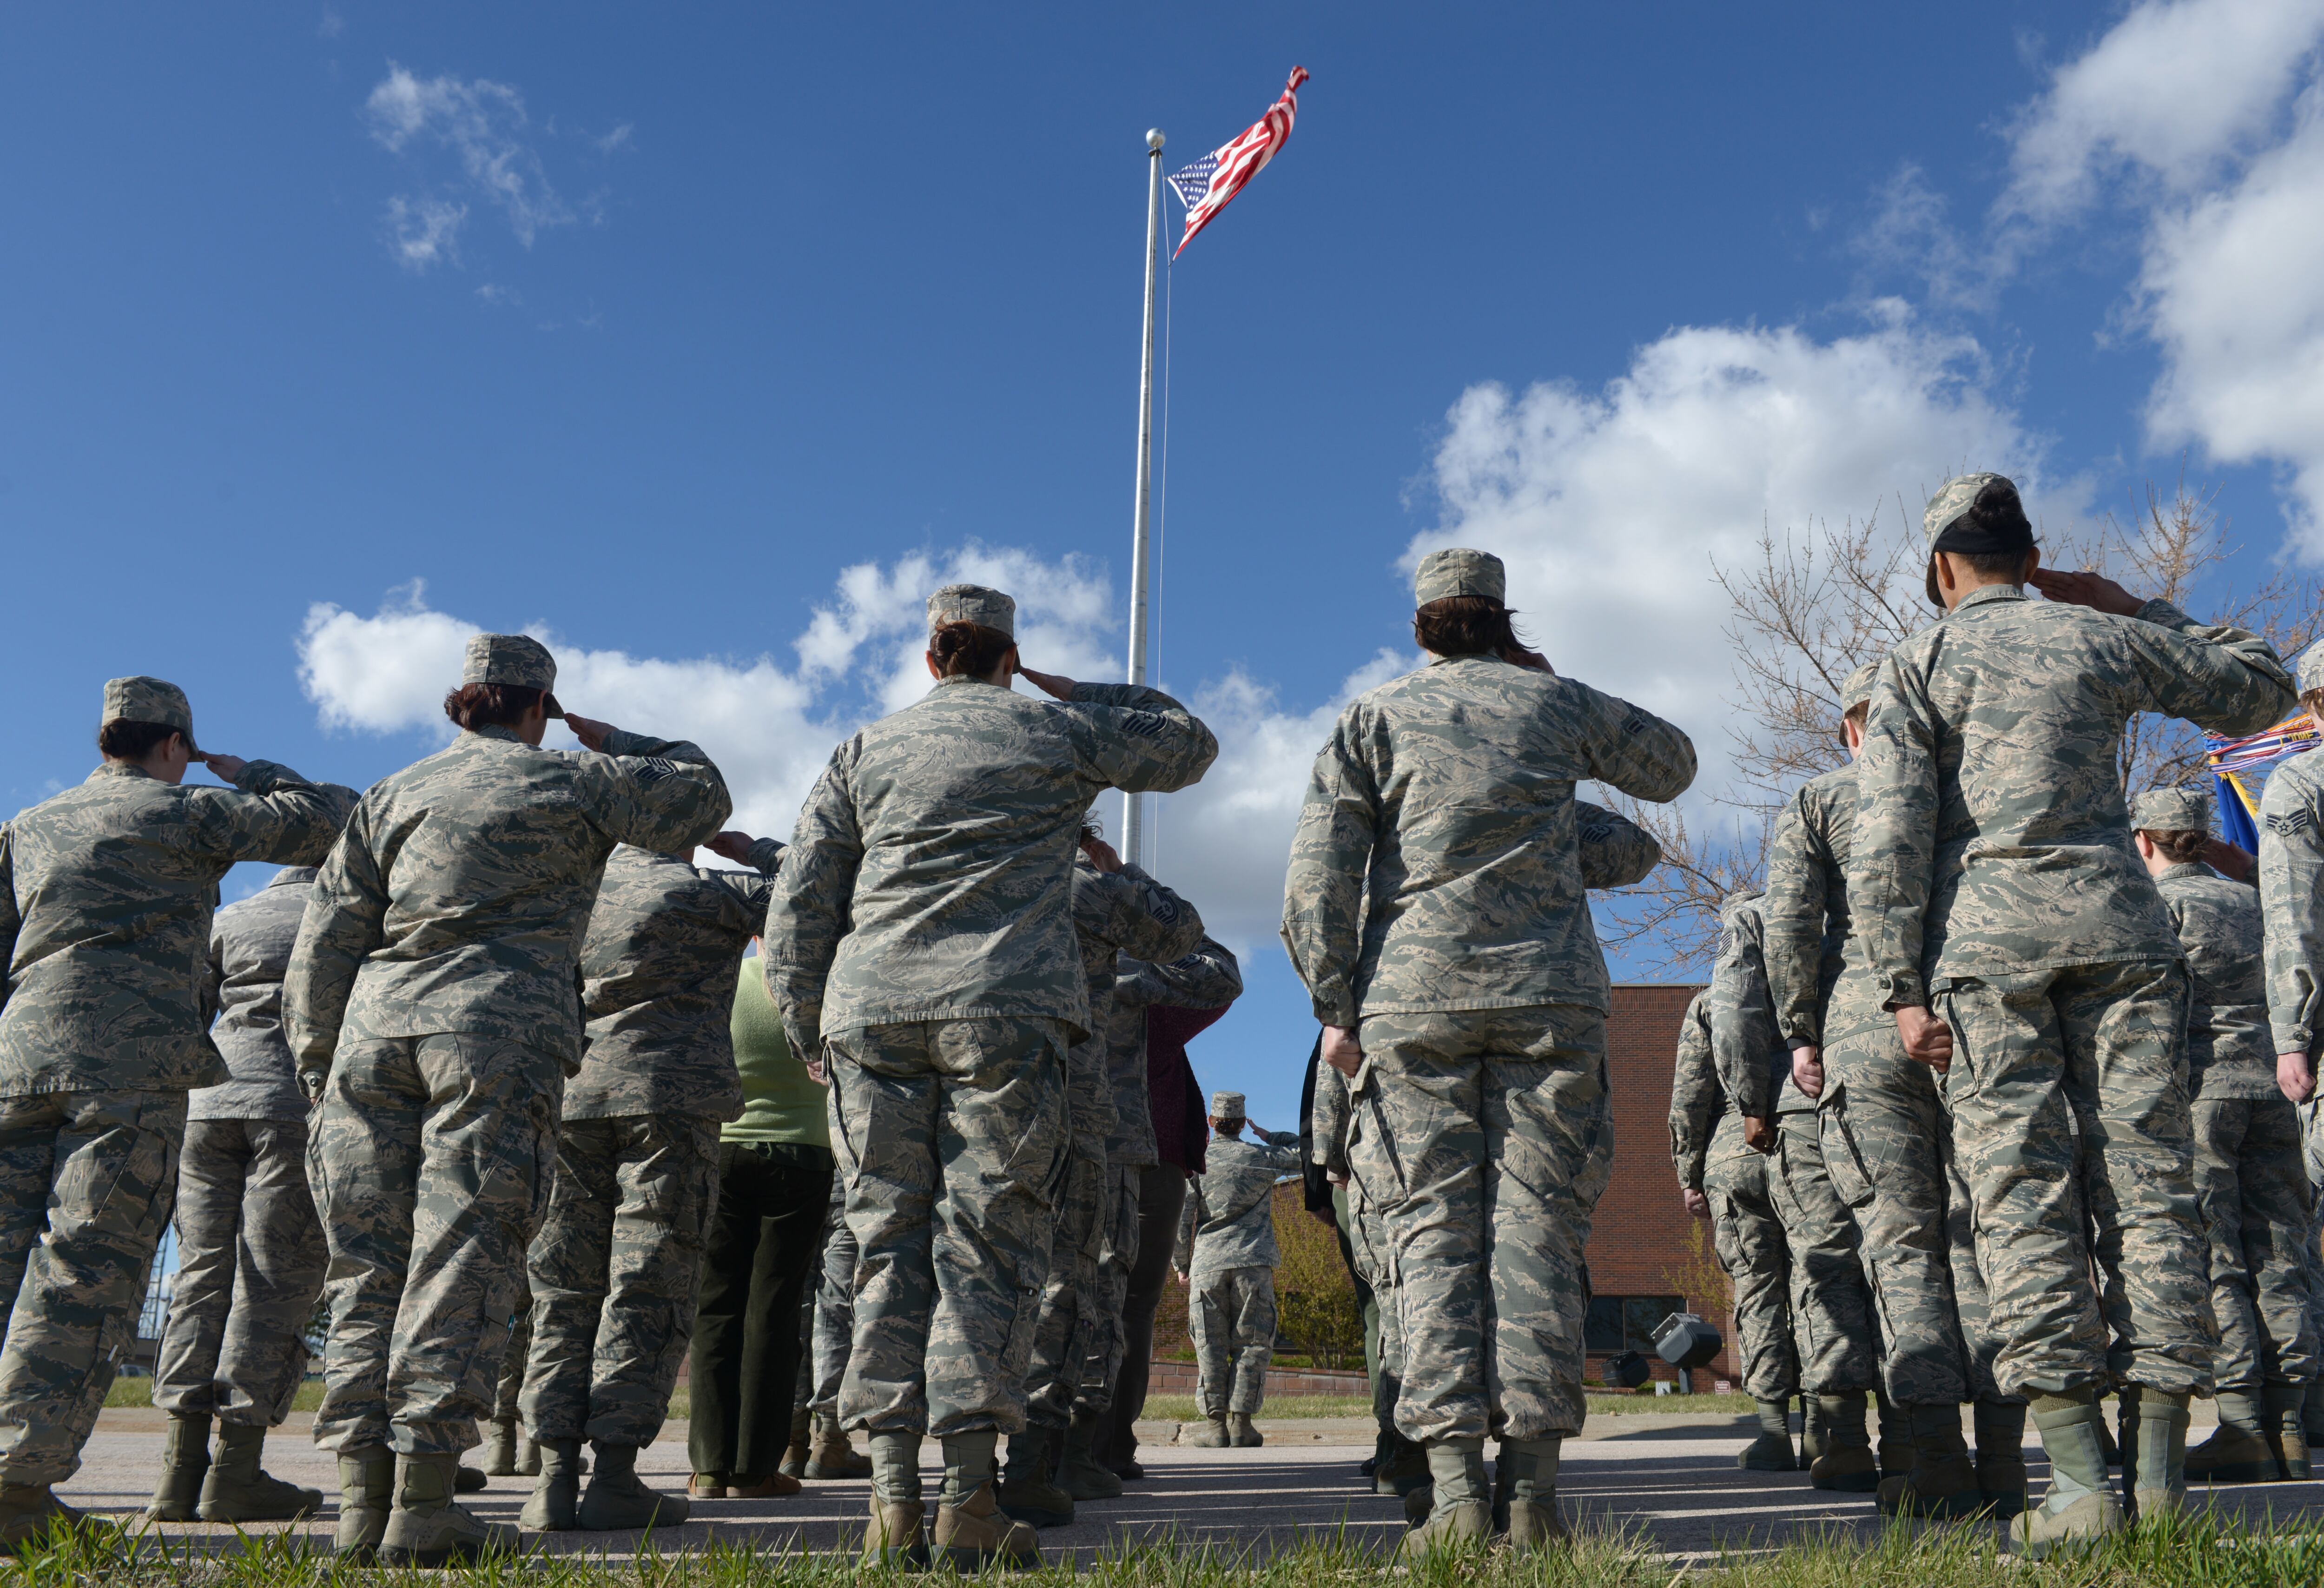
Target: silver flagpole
<point>1133,822</point>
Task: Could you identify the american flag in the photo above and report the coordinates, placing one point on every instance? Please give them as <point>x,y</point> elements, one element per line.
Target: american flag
<point>1207,186</point>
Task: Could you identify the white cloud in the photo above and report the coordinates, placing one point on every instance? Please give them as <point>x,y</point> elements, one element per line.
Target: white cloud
<point>424,232</point>
<point>1610,506</point>
<point>2172,91</point>
<point>2207,118</point>
<point>482,124</point>
<point>771,727</point>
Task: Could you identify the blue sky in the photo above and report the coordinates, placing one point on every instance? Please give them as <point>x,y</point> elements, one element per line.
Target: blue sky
<point>643,326</point>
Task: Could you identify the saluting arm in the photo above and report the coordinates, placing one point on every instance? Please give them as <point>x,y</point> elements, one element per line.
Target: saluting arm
<point>1633,749</point>
<point>659,794</point>
<point>274,814</point>
<point>1140,739</point>
<point>1614,851</point>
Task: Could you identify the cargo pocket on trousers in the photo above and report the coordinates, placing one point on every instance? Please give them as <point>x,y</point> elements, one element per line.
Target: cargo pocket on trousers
<point>1841,1158</point>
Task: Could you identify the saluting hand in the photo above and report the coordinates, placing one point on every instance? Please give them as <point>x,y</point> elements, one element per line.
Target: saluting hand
<point>2094,591</point>
<point>731,845</point>
<point>1055,685</point>
<point>224,767</point>
<point>2231,862</point>
<point>588,730</point>
<point>1101,855</point>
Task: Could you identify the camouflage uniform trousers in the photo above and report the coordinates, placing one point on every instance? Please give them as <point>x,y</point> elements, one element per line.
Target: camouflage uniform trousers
<point>1485,1137</point>
<point>1886,1144</point>
<point>952,1137</point>
<point>1069,1301</point>
<point>1230,1314</point>
<point>2312,1249</point>
<point>510,1388</point>
<point>86,1184</point>
<point>432,1159</point>
<point>613,1273</point>
<point>250,1265</point>
<point>827,1315</point>
<point>1105,1334</point>
<point>1747,1235</point>
<point>2257,1209</point>
<point>1832,1304</point>
<point>1367,1241</point>
<point>2032,1053</point>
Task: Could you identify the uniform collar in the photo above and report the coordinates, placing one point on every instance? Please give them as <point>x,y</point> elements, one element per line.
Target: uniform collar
<point>120,768</point>
<point>1468,656</point>
<point>1985,592</point>
<point>2193,868</point>
<point>966,678</point>
<point>501,730</point>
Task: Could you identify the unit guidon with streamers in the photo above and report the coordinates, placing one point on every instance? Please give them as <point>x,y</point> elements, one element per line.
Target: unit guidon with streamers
<point>1211,183</point>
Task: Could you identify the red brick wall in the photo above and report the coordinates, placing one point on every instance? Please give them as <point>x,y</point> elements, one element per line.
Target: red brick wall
<point>1639,1244</point>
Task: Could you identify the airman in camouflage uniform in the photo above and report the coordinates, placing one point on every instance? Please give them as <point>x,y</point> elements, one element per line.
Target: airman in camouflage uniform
<point>1722,1178</point>
<point>615,1268</point>
<point>2010,927</point>
<point>2248,1172</point>
<point>1227,1251</point>
<point>1117,909</point>
<point>250,1251</point>
<point>433,1006</point>
<point>1885,1141</point>
<point>106,896</point>
<point>1831,1309</point>
<point>921,944</point>
<point>2291,906</point>
<point>1434,900</point>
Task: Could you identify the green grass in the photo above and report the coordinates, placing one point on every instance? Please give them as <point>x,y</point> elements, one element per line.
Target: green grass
<point>2193,1552</point>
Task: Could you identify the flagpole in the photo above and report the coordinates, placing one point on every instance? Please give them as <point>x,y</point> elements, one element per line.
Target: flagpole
<point>1133,824</point>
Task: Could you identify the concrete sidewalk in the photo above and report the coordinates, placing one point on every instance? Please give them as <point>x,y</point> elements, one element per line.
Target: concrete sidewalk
<point>1670,1479</point>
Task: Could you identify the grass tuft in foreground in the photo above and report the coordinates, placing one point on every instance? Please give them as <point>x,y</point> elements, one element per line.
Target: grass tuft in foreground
<point>2195,1551</point>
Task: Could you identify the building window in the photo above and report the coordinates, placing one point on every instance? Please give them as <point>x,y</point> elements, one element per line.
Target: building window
<point>1627,1323</point>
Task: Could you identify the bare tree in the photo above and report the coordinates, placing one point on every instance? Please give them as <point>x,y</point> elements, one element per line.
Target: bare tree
<point>1812,605</point>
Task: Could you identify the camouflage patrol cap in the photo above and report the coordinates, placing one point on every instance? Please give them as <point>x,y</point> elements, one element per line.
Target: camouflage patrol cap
<point>2312,668</point>
<point>1459,571</point>
<point>1226,1105</point>
<point>2000,522</point>
<point>1858,690</point>
<point>2182,809</point>
<point>973,603</point>
<point>148,700</point>
<point>508,658</point>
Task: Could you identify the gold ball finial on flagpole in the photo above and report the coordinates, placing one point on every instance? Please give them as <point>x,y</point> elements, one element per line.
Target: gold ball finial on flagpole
<point>1153,139</point>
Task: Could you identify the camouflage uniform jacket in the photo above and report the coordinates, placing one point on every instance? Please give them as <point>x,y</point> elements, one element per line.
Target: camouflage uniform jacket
<point>2291,899</point>
<point>1697,1102</point>
<point>459,898</point>
<point>930,877</point>
<point>1992,837</point>
<point>1116,913</point>
<point>1817,971</point>
<point>1206,978</point>
<point>1229,1218</point>
<point>2228,1055</point>
<point>1752,1060</point>
<point>106,896</point>
<point>658,985</point>
<point>1436,865</point>
<point>250,950</point>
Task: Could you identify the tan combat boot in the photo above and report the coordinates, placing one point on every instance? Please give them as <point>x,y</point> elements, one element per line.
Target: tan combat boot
<point>830,1454</point>
<point>185,1461</point>
<point>1772,1451</point>
<point>892,1538</point>
<point>1206,1435</point>
<point>1461,1506</point>
<point>974,1533</point>
<point>1532,1468</point>
<point>29,1512</point>
<point>500,1448</point>
<point>1027,1489</point>
<point>429,1529</point>
<point>1845,1464</point>
<point>618,1498</point>
<point>2284,1413</point>
<point>238,1489</point>
<point>2080,1504</point>
<point>555,1504</point>
<point>795,1456</point>
<point>2239,1451</point>
<point>1240,1430</point>
<point>2001,1457</point>
<point>366,1496</point>
<point>1943,1483</point>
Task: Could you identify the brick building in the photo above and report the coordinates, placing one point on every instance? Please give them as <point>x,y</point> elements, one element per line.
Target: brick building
<point>1648,1259</point>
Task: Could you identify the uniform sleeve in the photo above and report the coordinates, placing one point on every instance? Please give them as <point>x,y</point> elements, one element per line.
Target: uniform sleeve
<point>1327,1122</point>
<point>2292,903</point>
<point>1280,1151</point>
<point>1208,978</point>
<point>274,814</point>
<point>2227,680</point>
<point>814,900</point>
<point>1696,1102</point>
<point>1140,739</point>
<point>12,919</point>
<point>344,921</point>
<point>1793,910</point>
<point>1323,888</point>
<point>1614,851</point>
<point>210,996</point>
<point>1190,1213</point>
<point>1895,845</point>
<point>1632,750</point>
<point>753,892</point>
<point>1743,1038</point>
<point>1140,917</point>
<point>658,794</point>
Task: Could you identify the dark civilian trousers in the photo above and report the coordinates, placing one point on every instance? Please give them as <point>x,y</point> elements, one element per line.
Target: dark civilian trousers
<point>1161,1193</point>
<point>764,1246</point>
